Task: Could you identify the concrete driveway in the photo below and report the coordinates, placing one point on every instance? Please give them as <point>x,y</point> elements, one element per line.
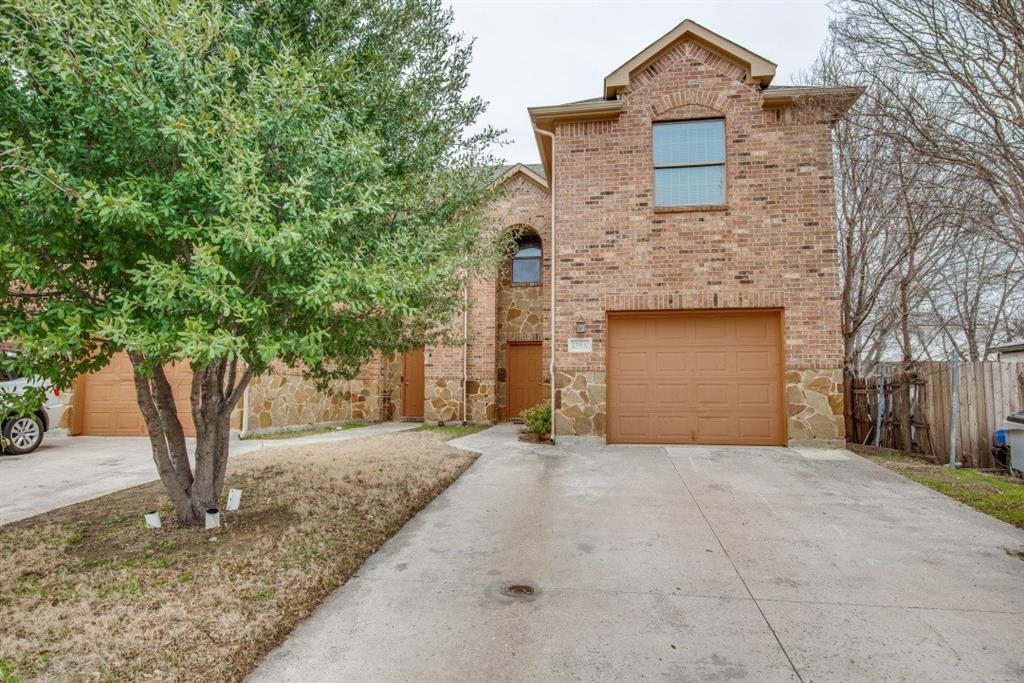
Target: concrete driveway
<point>66,470</point>
<point>681,563</point>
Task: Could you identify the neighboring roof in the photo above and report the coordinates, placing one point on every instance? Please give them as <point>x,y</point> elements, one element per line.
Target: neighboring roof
<point>759,69</point>
<point>534,172</point>
<point>501,171</point>
<point>1012,345</point>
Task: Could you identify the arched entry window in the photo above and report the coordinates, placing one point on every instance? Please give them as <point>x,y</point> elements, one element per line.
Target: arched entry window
<point>526,261</point>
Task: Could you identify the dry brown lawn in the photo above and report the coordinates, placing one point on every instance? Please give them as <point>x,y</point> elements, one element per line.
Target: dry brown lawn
<point>87,592</point>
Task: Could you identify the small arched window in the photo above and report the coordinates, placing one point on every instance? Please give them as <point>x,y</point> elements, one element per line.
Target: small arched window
<point>526,261</point>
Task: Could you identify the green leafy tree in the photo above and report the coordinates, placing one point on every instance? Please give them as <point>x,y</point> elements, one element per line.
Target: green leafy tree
<point>232,183</point>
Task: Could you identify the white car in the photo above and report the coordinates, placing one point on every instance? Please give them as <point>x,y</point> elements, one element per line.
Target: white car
<point>24,434</point>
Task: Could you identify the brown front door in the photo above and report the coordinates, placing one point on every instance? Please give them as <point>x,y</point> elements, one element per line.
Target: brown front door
<point>412,383</point>
<point>708,377</point>
<point>525,374</point>
<point>106,404</point>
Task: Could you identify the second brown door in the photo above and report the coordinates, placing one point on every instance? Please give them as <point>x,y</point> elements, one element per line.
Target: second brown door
<point>525,374</point>
<point>412,383</point>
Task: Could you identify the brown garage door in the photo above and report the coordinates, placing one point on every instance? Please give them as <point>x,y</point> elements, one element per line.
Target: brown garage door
<point>105,402</point>
<point>709,377</point>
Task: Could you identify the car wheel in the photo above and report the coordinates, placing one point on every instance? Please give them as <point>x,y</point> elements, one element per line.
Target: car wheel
<point>22,434</point>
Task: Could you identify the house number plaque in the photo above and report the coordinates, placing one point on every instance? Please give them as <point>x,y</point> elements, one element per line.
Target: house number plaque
<point>580,345</point>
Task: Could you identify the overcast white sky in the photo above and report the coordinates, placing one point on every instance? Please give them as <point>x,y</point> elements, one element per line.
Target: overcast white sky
<point>537,52</point>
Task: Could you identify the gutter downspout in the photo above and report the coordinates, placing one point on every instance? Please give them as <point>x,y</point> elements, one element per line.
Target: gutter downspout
<point>551,190</point>
<point>245,410</point>
<point>465,351</point>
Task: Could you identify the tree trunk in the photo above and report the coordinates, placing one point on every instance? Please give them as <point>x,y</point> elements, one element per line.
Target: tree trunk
<point>905,342</point>
<point>213,397</point>
<point>849,374</point>
<point>152,404</point>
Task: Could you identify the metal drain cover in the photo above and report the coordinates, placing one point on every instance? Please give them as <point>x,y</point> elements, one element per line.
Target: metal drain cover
<point>519,589</point>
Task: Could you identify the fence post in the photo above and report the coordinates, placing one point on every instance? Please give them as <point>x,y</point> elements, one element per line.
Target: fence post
<point>881,405</point>
<point>954,408</point>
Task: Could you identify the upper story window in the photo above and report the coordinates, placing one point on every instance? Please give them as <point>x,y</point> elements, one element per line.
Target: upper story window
<point>689,163</point>
<point>526,261</point>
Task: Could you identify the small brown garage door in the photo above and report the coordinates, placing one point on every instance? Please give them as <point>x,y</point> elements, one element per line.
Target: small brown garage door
<point>105,400</point>
<point>708,377</point>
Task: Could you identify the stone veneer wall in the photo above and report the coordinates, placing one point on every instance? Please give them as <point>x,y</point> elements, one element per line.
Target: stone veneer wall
<point>481,401</point>
<point>520,314</point>
<point>67,399</point>
<point>283,398</point>
<point>814,401</point>
<point>277,400</point>
<point>521,311</point>
<point>444,400</point>
<point>581,405</point>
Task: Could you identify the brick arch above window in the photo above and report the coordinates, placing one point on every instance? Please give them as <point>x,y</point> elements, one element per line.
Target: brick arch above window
<point>688,112</point>
<point>523,229</point>
<point>690,105</point>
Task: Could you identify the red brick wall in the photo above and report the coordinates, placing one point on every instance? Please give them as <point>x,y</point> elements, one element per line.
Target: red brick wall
<point>773,246</point>
<point>443,365</point>
<point>522,311</point>
<point>524,203</point>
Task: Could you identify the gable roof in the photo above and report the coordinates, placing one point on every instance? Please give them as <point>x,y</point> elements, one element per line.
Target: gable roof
<point>534,172</point>
<point>759,70</point>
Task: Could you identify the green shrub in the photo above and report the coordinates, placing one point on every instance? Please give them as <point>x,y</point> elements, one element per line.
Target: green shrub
<point>538,418</point>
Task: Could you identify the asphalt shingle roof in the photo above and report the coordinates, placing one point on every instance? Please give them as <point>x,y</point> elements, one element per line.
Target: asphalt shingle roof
<point>536,168</point>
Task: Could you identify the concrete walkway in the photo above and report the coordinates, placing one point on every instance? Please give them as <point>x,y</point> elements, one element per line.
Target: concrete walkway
<point>70,469</point>
<point>681,563</point>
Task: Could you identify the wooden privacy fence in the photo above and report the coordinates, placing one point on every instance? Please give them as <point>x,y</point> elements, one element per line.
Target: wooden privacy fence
<point>987,391</point>
<point>916,410</point>
<point>886,404</point>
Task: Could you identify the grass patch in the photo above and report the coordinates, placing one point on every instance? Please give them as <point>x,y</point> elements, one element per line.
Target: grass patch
<point>87,592</point>
<point>302,432</point>
<point>1000,496</point>
<point>453,431</point>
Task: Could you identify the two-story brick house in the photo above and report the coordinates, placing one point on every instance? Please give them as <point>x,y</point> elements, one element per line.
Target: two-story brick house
<point>695,274</point>
<point>694,296</point>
